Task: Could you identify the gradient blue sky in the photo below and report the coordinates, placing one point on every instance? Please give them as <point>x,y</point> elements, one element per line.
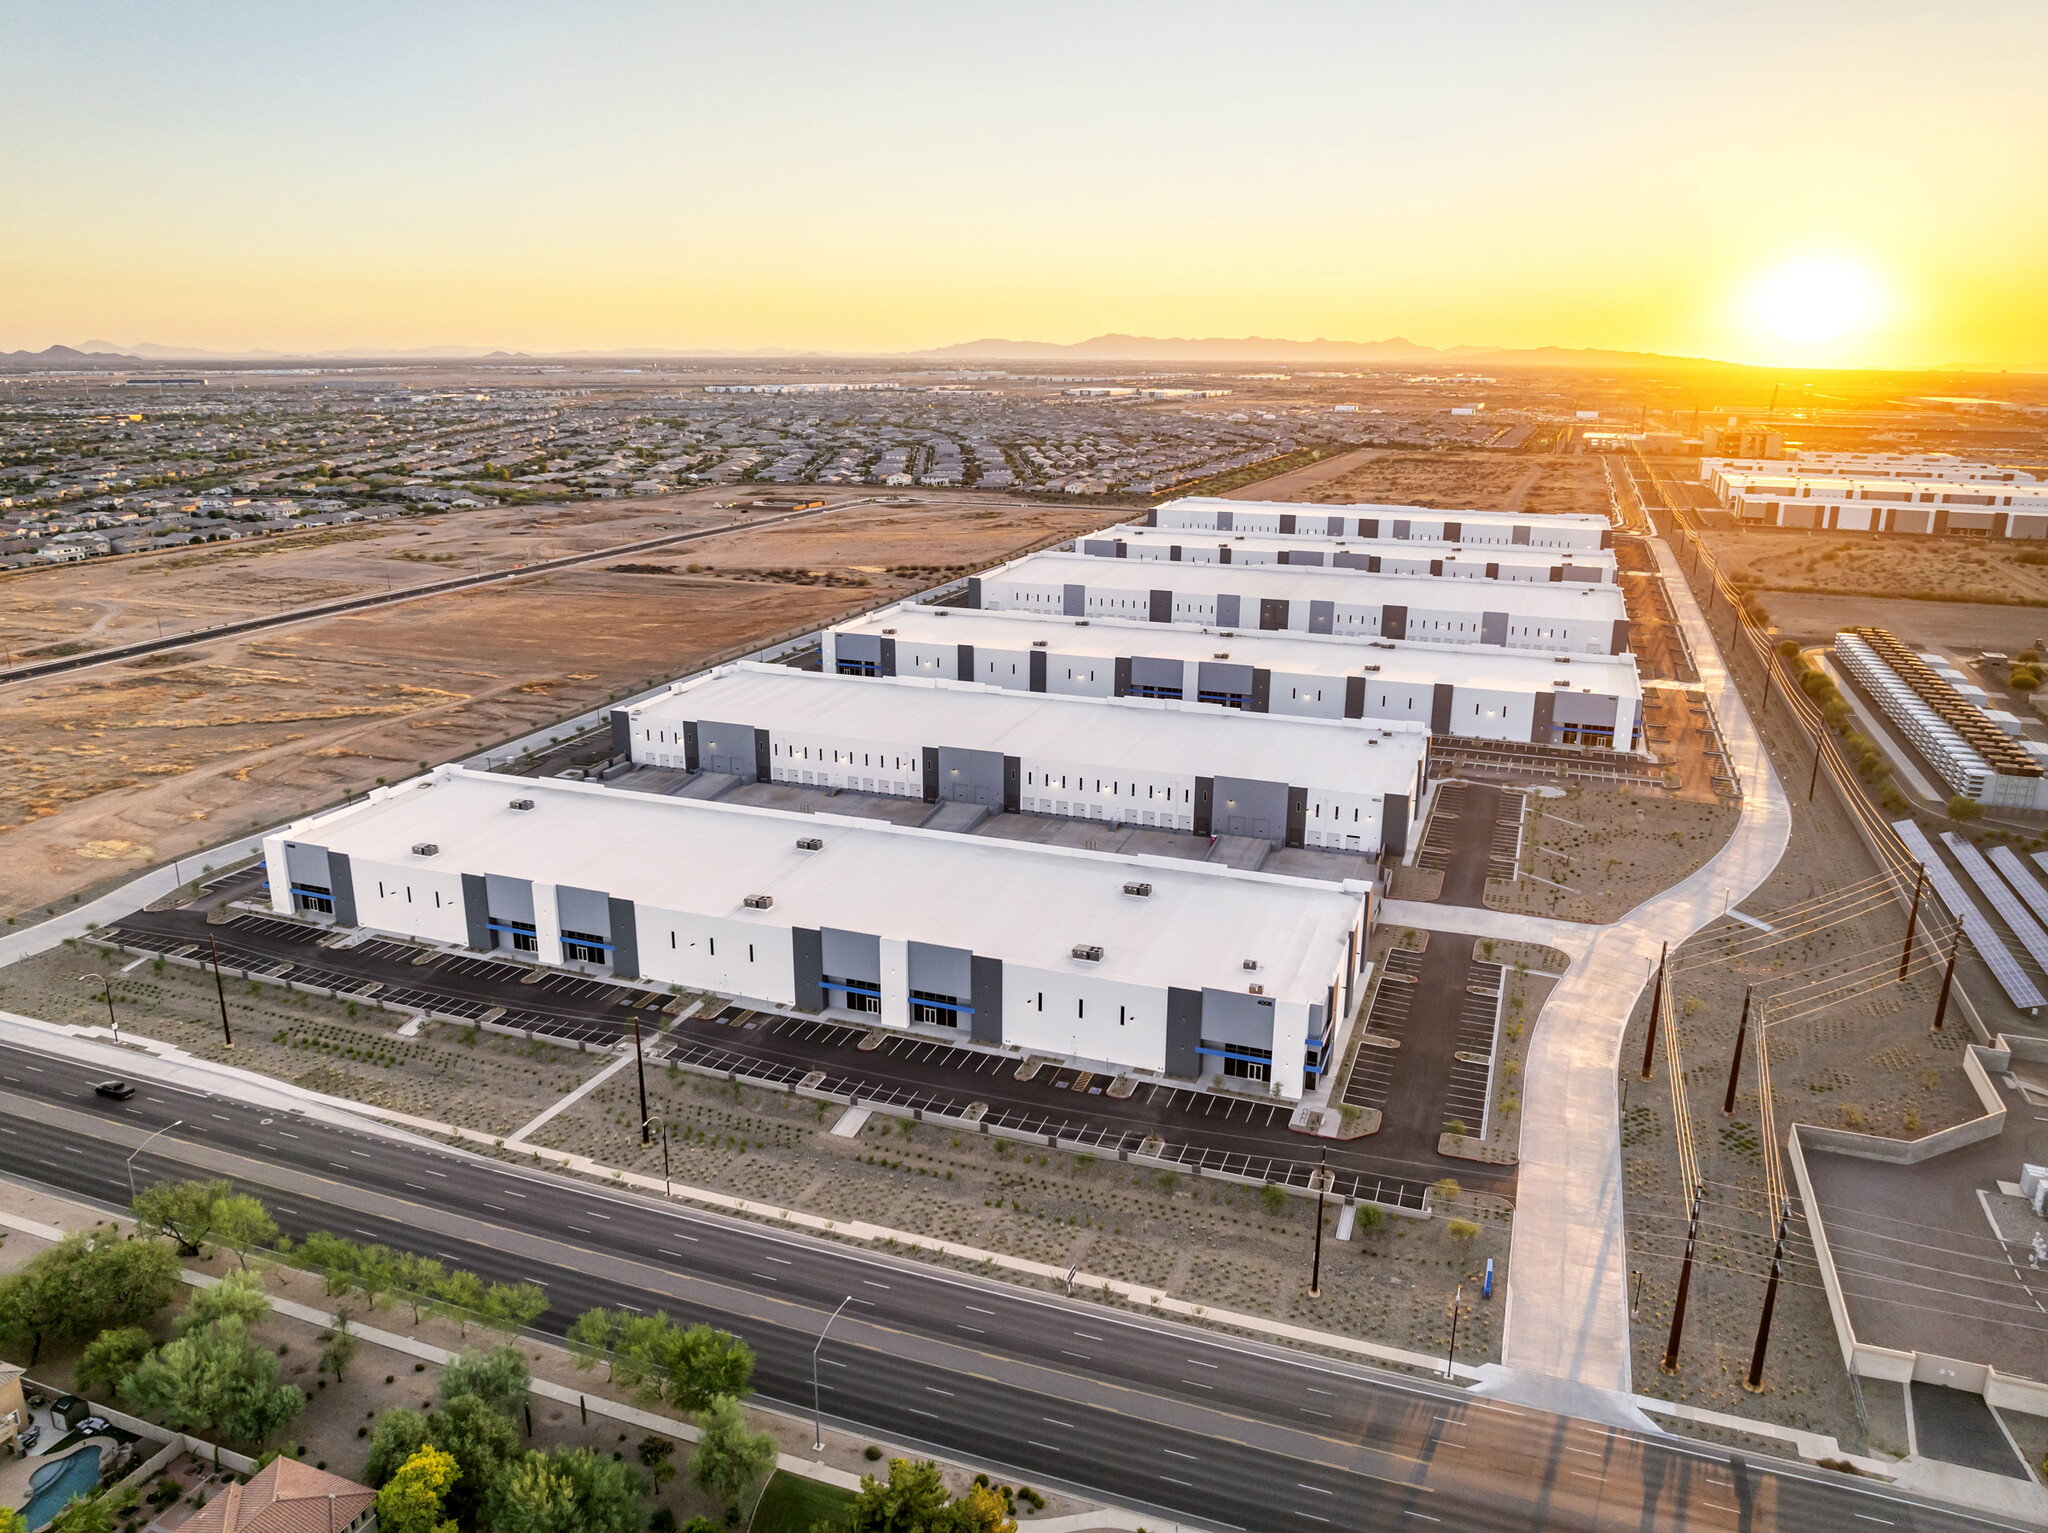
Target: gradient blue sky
<point>889,177</point>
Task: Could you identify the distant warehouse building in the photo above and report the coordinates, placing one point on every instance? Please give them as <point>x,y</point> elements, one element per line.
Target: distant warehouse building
<point>1306,782</point>
<point>1837,502</point>
<point>1578,619</point>
<point>1145,963</point>
<point>1480,693</point>
<point>1930,466</point>
<point>1446,560</point>
<point>1372,522</point>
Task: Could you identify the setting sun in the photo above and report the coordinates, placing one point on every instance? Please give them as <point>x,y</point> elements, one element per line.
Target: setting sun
<point>1814,300</point>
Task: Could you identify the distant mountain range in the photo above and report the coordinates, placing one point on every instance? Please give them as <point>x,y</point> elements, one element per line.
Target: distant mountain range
<point>1235,351</point>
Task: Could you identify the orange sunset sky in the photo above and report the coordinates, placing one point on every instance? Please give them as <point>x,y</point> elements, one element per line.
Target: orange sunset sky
<point>1817,184</point>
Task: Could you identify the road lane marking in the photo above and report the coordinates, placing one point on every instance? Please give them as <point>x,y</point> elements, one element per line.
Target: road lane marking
<point>1034,1442</point>
<point>933,1389</point>
<point>417,1186</point>
<point>663,1250</point>
<point>1581,1474</point>
<point>1178,1454</point>
<point>283,1135</point>
<point>978,1310</point>
<point>765,1277</point>
<point>1314,1391</point>
<point>782,1259</point>
<point>1311,1516</point>
<point>1067,1424</point>
<point>1299,1485</point>
<point>977,1330</point>
<point>1590,1453</point>
<point>364,1153</point>
<point>223,1117</point>
<point>591,1213</point>
<point>494,1207</point>
<point>916,1412</point>
<point>1199,1363</point>
<point>441,1174</point>
<point>1423,1515</point>
<point>579,1229</point>
<point>1081,1355</point>
<point>1085,1336</point>
<point>1307,1411</point>
<point>1169,1479</point>
<point>871,1283</point>
<point>1866,1517</point>
<point>1191,1384</point>
<point>511,1194</point>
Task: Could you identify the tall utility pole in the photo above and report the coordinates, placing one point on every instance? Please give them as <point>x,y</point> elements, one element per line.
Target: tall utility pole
<point>1912,919</point>
<point>221,991</point>
<point>1692,1231</point>
<point>640,1069</point>
<point>1755,1382</point>
<point>1813,781</point>
<point>1656,1001</point>
<point>817,1411</point>
<point>1948,978</point>
<point>1735,1063</point>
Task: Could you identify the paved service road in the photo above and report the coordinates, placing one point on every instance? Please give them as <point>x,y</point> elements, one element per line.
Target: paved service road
<point>1203,1428</point>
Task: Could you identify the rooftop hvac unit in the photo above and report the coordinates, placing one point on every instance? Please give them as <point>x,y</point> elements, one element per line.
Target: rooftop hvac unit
<point>1080,622</point>
<point>1258,989</point>
<point>1368,667</point>
<point>758,901</point>
<point>888,630</point>
<point>1086,953</point>
<point>522,803</point>
<point>809,844</point>
<point>1142,891</point>
<point>1040,643</point>
<point>1561,682</point>
<point>1221,654</point>
<point>425,849</point>
<point>1251,963</point>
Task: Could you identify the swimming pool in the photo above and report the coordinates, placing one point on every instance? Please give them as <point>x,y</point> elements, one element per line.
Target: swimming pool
<point>53,1485</point>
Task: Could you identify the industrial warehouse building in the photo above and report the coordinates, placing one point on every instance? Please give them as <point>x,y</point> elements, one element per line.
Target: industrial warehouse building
<point>1935,467</point>
<point>1579,619</point>
<point>1307,782</point>
<point>1447,560</point>
<point>1909,506</point>
<point>1144,963</point>
<point>1378,523</point>
<point>1457,690</point>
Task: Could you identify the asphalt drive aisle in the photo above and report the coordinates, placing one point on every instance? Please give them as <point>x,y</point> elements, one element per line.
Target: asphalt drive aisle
<point>1204,1427</point>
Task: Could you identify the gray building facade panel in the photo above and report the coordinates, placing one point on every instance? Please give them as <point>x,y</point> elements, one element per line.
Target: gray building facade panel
<point>1493,628</point>
<point>1394,825</point>
<point>343,881</point>
<point>1322,616</point>
<point>1249,806</point>
<point>476,912</point>
<point>1237,1020</point>
<point>1184,1030</point>
<point>1228,608</point>
<point>726,747</point>
<point>1393,622</point>
<point>508,899</point>
<point>584,910</point>
<point>855,956</point>
<point>807,954</point>
<point>970,777</point>
<point>942,971</point>
<point>988,999</point>
<point>1074,601</point>
<point>622,733</point>
<point>625,928</point>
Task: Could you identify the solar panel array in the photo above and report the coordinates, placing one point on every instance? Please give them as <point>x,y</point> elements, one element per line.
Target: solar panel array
<point>2007,861</point>
<point>1990,947</point>
<point>2010,911</point>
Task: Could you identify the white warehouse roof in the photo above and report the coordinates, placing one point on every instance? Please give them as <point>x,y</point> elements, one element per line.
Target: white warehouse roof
<point>1305,654</point>
<point>1018,901</point>
<point>1582,603</point>
<point>1574,529</point>
<point>1361,756</point>
<point>1403,556</point>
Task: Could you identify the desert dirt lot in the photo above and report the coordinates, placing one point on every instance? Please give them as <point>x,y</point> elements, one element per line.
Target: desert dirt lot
<point>1610,848</point>
<point>113,768</point>
<point>1476,481</point>
<point>1869,565</point>
<point>1960,626</point>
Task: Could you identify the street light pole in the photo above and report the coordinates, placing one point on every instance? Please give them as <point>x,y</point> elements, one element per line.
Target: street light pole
<point>817,1411</point>
<point>108,986</point>
<point>137,1151</point>
<point>1315,1279</point>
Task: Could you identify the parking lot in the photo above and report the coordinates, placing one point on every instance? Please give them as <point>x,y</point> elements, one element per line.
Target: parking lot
<point>1228,1132</point>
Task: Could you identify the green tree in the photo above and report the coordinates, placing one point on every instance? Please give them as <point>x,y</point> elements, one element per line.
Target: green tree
<point>498,1377</point>
<point>395,1436</point>
<point>482,1440</point>
<point>338,1347</point>
<point>410,1501</point>
<point>332,1256</point>
<point>571,1490</point>
<point>243,1224</point>
<point>86,1283</point>
<point>417,1277</point>
<point>593,1335</point>
<point>109,1358</point>
<point>215,1378</point>
<point>707,1363</point>
<point>913,1500</point>
<point>239,1295</point>
<point>83,1514</point>
<point>460,1296</point>
<point>509,1308</point>
<point>729,1460</point>
<point>184,1211</point>
<point>1963,810</point>
<point>1273,1197</point>
<point>657,1457</point>
<point>12,1521</point>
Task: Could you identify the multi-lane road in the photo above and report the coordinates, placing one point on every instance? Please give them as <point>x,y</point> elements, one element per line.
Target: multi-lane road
<point>1175,1422</point>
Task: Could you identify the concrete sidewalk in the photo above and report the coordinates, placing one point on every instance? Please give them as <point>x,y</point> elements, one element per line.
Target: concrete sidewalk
<point>127,899</point>
<point>1566,1323</point>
